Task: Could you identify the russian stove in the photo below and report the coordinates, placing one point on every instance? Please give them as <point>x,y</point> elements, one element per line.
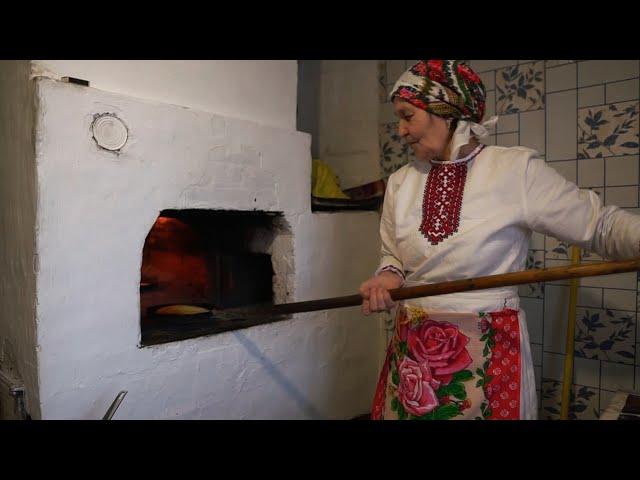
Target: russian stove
<point>132,203</point>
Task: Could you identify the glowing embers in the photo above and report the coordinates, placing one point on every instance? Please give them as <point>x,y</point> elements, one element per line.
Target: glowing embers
<point>174,264</point>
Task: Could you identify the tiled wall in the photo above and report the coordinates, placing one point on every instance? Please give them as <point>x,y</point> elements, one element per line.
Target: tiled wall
<point>582,117</point>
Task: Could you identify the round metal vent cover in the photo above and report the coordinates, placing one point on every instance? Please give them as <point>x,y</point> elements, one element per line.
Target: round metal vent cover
<point>110,132</point>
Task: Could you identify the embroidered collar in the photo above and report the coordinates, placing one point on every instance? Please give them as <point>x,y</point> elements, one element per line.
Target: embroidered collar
<point>475,152</point>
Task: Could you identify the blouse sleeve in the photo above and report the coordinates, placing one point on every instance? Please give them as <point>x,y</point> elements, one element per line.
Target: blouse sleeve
<point>557,207</point>
<point>390,257</point>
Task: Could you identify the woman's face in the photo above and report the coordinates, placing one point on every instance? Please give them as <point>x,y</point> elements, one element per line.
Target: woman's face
<point>427,134</point>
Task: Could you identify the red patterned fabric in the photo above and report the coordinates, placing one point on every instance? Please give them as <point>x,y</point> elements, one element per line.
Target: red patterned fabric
<point>451,365</point>
<point>379,398</point>
<point>447,88</point>
<point>442,201</point>
<point>503,391</point>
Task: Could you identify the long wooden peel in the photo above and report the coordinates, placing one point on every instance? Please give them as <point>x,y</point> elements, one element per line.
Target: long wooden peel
<point>478,283</point>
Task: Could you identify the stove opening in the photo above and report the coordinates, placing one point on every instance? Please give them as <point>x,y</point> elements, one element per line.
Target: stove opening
<point>196,264</point>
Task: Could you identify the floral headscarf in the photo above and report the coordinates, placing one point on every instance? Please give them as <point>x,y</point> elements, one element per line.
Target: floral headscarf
<point>449,89</point>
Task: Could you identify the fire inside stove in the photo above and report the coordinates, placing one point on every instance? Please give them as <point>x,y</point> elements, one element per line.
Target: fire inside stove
<point>198,263</point>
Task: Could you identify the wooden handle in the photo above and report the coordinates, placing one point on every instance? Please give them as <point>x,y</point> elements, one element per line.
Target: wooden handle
<point>479,283</point>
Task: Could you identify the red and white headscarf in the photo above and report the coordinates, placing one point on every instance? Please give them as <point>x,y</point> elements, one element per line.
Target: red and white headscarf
<point>451,90</point>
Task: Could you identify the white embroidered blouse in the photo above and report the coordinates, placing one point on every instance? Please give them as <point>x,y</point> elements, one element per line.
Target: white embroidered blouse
<point>509,192</point>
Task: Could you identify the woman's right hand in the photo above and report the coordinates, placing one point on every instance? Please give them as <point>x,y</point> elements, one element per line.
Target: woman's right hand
<point>375,292</point>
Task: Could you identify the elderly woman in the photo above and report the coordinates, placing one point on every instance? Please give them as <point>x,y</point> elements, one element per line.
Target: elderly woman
<point>462,210</point>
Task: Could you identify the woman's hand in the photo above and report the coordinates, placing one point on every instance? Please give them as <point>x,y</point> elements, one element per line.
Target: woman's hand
<point>375,292</point>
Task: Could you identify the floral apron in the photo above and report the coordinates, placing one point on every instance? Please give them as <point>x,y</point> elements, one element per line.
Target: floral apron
<point>451,366</point>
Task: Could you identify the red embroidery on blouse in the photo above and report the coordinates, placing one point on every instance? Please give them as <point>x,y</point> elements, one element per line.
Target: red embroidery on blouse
<point>442,201</point>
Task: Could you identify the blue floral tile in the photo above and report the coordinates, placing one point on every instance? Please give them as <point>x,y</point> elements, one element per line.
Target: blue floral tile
<point>551,396</point>
<point>535,259</point>
<point>584,401</point>
<point>605,335</point>
<point>393,152</point>
<point>557,250</point>
<point>520,88</point>
<point>608,130</point>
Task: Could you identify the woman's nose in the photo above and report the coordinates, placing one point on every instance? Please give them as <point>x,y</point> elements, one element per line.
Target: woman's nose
<point>402,129</point>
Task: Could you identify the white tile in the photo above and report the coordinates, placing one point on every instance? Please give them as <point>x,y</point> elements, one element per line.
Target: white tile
<point>618,280</point>
<point>553,366</point>
<point>619,299</point>
<point>591,172</point>
<point>622,196</point>
<point>534,310</point>
<point>488,80</point>
<point>490,109</point>
<point>561,78</point>
<point>622,91</point>
<point>588,256</point>
<point>601,71</point>
<point>507,139</point>
<point>555,63</point>
<point>586,372</point>
<point>616,376</point>
<point>536,354</point>
<point>550,263</point>
<point>537,371</point>
<point>484,65</point>
<point>621,170</point>
<point>590,297</point>
<point>605,398</point>
<point>489,140</point>
<point>599,191</point>
<point>562,125</point>
<point>590,96</point>
<point>395,68</point>
<point>385,113</point>
<point>524,291</point>
<point>567,169</point>
<point>532,130</point>
<point>508,123</point>
<point>556,308</point>
<point>537,241</point>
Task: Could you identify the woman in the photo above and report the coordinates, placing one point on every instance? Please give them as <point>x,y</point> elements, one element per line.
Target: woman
<point>464,210</point>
